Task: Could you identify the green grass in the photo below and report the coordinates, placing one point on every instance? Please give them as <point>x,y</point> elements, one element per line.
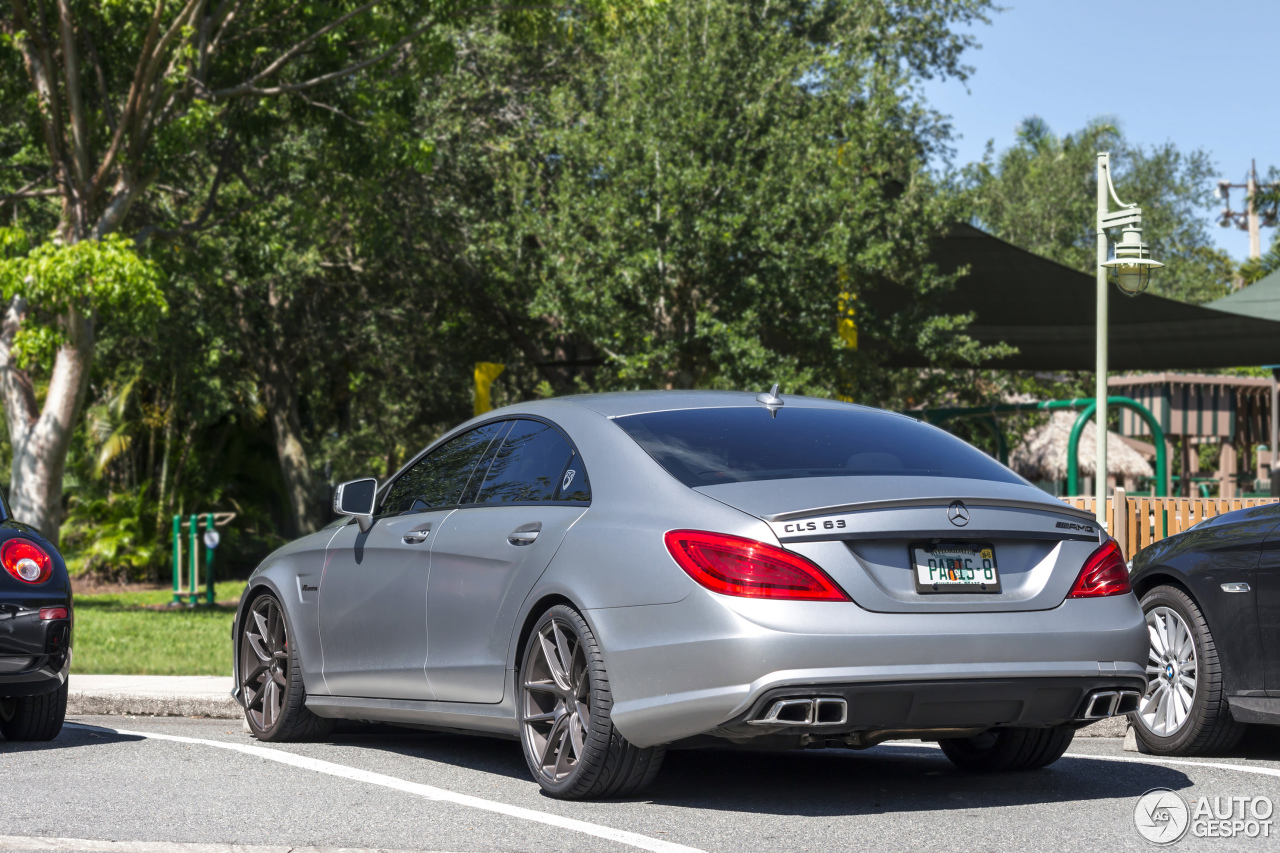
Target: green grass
<point>117,634</point>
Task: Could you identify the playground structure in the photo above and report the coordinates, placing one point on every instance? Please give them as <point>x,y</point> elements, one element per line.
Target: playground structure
<point>210,521</point>
<point>987,417</point>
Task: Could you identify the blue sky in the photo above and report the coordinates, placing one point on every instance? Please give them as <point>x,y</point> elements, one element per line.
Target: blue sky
<point>1173,70</point>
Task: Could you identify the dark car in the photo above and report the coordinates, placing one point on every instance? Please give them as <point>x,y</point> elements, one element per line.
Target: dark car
<point>35,632</point>
<point>1211,597</point>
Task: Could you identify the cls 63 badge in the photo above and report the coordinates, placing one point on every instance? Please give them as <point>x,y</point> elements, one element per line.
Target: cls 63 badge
<point>794,527</point>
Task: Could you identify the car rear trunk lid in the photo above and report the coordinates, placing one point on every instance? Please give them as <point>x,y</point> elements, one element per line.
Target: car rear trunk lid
<point>864,531</point>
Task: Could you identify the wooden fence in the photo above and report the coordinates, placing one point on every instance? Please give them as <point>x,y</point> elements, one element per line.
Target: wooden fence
<point>1144,520</point>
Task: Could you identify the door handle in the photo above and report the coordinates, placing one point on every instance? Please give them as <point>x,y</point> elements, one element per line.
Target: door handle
<point>417,535</point>
<point>525,534</point>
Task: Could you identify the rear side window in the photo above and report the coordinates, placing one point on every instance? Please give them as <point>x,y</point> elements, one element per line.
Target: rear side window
<point>533,465</point>
<point>438,478</point>
<point>703,447</point>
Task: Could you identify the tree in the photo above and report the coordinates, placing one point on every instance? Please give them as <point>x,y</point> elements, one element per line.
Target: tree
<point>1040,194</point>
<point>124,110</point>
<point>691,208</point>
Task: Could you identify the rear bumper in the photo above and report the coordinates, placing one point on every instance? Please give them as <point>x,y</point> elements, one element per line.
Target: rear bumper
<point>35,653</point>
<point>932,705</point>
<point>705,664</point>
<point>44,674</point>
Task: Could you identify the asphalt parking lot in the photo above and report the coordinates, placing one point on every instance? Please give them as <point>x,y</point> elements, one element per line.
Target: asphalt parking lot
<point>203,781</point>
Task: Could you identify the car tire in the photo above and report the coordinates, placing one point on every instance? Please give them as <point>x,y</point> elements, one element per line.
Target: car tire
<point>570,757</point>
<point>30,718</point>
<point>1000,750</point>
<point>271,687</point>
<point>1207,726</point>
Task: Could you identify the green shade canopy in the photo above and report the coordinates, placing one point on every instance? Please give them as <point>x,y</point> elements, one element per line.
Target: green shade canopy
<point>1260,299</point>
<point>1047,311</point>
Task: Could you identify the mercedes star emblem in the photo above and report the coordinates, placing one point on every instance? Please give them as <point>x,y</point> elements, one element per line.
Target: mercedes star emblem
<point>958,513</point>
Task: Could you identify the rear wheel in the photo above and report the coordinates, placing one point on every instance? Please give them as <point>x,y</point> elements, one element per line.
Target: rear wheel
<point>34,717</point>
<point>570,744</point>
<point>271,678</point>
<point>998,750</point>
<point>1184,711</point>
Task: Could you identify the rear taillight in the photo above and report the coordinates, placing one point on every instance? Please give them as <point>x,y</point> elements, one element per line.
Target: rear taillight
<point>52,613</point>
<point>26,560</point>
<point>731,565</point>
<point>1104,573</point>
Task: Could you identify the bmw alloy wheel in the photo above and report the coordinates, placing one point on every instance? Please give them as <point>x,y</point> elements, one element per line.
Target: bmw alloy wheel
<point>1171,673</point>
<point>556,706</point>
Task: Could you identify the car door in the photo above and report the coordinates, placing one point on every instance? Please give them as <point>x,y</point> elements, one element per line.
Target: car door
<point>1268,604</point>
<point>487,556</point>
<point>373,592</point>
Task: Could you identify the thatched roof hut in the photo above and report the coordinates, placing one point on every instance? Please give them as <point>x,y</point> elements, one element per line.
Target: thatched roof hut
<point>1042,453</point>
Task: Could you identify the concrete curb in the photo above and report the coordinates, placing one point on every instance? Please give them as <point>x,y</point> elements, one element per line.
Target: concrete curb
<point>152,695</point>
<point>1110,727</point>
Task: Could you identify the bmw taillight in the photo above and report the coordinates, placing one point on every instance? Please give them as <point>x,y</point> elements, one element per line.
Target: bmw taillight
<point>1104,573</point>
<point>731,565</point>
<point>26,560</point>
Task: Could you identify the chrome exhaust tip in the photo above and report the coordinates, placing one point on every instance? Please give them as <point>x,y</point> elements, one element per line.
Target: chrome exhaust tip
<point>1109,703</point>
<point>805,712</point>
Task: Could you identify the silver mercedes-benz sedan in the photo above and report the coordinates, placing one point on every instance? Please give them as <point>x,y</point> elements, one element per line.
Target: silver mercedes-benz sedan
<point>607,577</point>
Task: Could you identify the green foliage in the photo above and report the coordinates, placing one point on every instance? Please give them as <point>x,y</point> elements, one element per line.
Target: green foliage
<point>1040,194</point>
<point>683,206</point>
<point>107,536</point>
<point>104,279</point>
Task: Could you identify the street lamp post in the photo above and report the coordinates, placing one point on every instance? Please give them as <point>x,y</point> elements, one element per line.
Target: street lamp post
<point>1132,267</point>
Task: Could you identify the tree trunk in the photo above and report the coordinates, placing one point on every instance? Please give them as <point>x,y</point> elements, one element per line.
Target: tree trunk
<point>282,408</point>
<point>41,437</point>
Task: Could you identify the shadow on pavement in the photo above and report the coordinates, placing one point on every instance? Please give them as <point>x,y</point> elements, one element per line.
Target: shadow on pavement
<point>885,779</point>
<point>810,782</point>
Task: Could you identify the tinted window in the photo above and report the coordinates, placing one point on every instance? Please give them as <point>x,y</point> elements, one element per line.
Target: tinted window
<point>702,447</point>
<point>438,478</point>
<point>529,467</point>
<point>482,467</point>
<point>573,482</point>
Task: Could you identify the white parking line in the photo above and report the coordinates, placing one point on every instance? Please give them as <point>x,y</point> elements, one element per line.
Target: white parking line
<point>631,839</point>
<point>1175,762</point>
<point>41,842</point>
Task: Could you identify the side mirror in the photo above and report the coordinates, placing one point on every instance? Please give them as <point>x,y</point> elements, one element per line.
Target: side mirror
<point>357,498</point>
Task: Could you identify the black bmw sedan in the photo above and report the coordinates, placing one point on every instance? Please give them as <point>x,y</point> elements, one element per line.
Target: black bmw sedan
<point>35,632</point>
<point>1211,597</point>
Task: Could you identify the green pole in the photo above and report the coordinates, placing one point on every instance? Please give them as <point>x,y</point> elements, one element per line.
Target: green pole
<point>1157,437</point>
<point>208,560</point>
<point>177,559</point>
<point>1073,449</point>
<point>194,524</point>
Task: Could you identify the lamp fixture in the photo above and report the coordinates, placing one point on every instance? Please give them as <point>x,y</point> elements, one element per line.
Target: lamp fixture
<point>1131,266</point>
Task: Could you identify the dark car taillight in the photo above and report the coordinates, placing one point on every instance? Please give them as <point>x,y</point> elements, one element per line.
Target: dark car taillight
<point>731,565</point>
<point>26,561</point>
<point>1104,573</point>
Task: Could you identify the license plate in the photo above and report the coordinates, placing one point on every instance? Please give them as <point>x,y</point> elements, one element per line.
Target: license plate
<point>955,568</point>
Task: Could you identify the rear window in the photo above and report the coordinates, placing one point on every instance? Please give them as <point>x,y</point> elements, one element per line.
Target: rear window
<point>703,447</point>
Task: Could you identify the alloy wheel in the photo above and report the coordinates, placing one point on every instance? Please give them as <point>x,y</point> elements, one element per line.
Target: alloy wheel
<point>1171,673</point>
<point>264,661</point>
<point>555,711</point>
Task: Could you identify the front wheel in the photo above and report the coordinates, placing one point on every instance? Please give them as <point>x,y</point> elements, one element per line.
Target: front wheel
<point>999,750</point>
<point>271,678</point>
<point>570,744</point>
<point>1184,711</point>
